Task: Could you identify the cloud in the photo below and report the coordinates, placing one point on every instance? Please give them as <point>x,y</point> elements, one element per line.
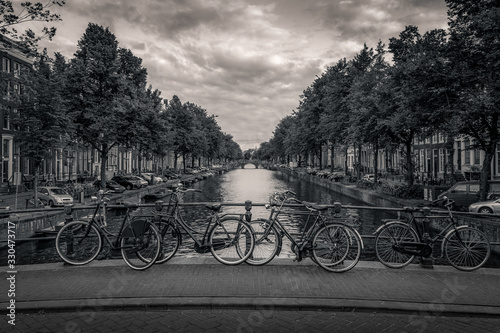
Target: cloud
<point>248,61</point>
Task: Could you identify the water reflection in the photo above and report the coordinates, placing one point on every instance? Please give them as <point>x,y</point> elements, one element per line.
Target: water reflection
<point>257,185</point>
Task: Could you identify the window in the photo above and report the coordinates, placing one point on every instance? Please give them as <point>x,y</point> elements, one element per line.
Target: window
<point>6,118</point>
<point>441,159</point>
<point>6,148</point>
<point>467,152</point>
<point>6,65</point>
<point>474,188</point>
<point>17,69</point>
<point>461,188</point>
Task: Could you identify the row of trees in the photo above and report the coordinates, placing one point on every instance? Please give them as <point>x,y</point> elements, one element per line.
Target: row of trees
<point>446,81</point>
<point>100,99</point>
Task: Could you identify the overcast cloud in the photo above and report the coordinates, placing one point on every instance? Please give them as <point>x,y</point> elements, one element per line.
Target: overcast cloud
<point>247,61</point>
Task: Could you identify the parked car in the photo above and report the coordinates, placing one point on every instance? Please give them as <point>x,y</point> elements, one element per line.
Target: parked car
<point>370,177</point>
<point>486,207</point>
<point>4,209</point>
<point>111,185</point>
<point>54,196</point>
<point>466,193</point>
<point>143,182</point>
<point>128,182</point>
<point>147,177</point>
<point>171,174</point>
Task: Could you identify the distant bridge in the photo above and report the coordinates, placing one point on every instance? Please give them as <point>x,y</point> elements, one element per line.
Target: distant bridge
<point>256,163</point>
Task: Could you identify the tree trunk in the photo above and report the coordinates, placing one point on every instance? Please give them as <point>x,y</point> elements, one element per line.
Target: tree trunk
<point>409,165</point>
<point>375,164</point>
<point>320,158</point>
<point>332,158</point>
<point>104,164</point>
<point>346,165</point>
<point>358,175</point>
<point>485,172</point>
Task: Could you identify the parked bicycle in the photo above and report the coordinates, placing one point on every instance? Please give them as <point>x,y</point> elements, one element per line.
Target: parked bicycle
<point>228,237</point>
<point>80,242</point>
<point>334,246</point>
<point>397,243</point>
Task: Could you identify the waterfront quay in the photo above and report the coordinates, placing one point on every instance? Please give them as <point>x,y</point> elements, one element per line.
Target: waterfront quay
<point>194,293</point>
<point>201,295</point>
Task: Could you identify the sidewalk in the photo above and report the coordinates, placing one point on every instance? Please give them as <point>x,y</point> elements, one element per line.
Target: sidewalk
<point>201,295</point>
<point>202,282</point>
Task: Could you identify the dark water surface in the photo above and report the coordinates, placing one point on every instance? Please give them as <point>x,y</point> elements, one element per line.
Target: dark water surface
<point>258,185</point>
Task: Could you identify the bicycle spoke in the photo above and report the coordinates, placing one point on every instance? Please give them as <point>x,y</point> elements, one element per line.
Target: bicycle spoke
<point>467,249</point>
<point>140,249</point>
<point>231,242</point>
<point>266,243</point>
<point>392,234</point>
<point>336,248</point>
<point>78,243</point>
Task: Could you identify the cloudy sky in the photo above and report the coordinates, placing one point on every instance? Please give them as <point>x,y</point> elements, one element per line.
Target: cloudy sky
<point>246,61</point>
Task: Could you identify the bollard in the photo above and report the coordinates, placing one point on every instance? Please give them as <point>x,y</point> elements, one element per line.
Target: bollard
<point>68,210</point>
<point>248,208</point>
<point>248,218</point>
<point>426,262</point>
<point>158,208</point>
<point>337,206</point>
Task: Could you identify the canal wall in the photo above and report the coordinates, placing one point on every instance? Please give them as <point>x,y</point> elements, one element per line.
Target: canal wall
<point>489,225</point>
<point>29,222</point>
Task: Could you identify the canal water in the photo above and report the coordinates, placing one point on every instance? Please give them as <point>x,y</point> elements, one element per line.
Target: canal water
<point>257,185</point>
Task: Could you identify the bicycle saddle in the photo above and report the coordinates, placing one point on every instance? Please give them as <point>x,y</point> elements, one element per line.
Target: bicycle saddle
<point>215,207</point>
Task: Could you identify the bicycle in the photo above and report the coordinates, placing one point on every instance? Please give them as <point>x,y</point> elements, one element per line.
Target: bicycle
<point>397,243</point>
<point>336,247</point>
<point>228,237</point>
<point>80,242</point>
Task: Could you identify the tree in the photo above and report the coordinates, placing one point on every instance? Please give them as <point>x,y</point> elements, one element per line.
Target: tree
<point>364,101</point>
<point>103,84</point>
<point>473,53</point>
<point>10,18</point>
<point>40,116</point>
<point>411,87</point>
<point>334,122</point>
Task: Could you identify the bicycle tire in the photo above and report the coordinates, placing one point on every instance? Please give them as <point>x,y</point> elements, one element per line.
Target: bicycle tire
<point>140,244</point>
<point>390,234</point>
<point>228,238</point>
<point>265,248</point>
<point>171,239</point>
<point>78,243</point>
<point>336,247</point>
<point>467,249</point>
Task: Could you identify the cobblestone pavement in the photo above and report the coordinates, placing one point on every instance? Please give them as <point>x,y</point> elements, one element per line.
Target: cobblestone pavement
<point>200,295</point>
<point>229,320</point>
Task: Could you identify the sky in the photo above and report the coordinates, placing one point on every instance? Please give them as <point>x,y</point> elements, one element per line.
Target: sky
<point>245,61</point>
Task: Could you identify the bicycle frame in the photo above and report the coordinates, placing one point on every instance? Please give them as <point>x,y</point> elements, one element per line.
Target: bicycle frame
<point>178,220</point>
<point>306,234</point>
<point>115,245</point>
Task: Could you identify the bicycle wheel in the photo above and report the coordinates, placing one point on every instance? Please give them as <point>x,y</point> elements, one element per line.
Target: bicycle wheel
<point>78,243</point>
<point>170,241</point>
<point>231,241</point>
<point>336,248</point>
<point>390,234</point>
<point>267,242</point>
<point>140,244</point>
<point>467,249</point>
